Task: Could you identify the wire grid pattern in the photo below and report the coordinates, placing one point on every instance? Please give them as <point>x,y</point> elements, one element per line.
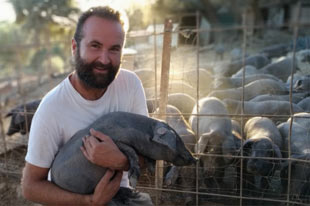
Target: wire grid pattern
<point>225,185</point>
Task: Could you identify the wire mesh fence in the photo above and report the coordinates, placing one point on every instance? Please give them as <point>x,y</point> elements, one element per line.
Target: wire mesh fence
<point>211,94</point>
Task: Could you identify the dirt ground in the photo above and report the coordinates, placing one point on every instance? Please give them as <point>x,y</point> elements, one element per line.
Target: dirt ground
<point>10,190</point>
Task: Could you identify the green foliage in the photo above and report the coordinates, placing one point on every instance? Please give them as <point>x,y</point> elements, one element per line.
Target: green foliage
<point>10,36</point>
<point>39,14</point>
<point>41,33</point>
<point>39,58</point>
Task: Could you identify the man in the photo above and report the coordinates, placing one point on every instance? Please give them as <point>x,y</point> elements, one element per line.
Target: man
<point>96,87</point>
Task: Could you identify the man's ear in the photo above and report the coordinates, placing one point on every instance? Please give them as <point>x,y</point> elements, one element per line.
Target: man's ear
<point>73,47</point>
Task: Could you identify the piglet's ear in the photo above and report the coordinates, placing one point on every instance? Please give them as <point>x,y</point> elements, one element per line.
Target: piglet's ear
<point>165,137</point>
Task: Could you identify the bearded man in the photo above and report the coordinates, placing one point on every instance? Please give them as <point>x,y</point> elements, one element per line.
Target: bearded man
<point>96,87</point>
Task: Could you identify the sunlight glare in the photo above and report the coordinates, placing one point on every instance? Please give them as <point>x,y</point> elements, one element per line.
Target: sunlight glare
<point>121,5</point>
<point>7,12</point>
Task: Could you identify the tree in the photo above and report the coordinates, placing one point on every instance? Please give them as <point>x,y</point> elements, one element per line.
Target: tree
<point>10,36</point>
<point>48,24</point>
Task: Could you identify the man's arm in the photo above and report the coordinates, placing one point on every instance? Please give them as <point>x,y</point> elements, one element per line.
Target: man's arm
<point>37,188</point>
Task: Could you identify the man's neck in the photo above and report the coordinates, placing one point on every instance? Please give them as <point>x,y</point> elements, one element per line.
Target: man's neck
<point>85,91</point>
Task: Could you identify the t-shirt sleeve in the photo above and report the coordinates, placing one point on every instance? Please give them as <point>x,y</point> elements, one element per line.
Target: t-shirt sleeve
<point>44,139</point>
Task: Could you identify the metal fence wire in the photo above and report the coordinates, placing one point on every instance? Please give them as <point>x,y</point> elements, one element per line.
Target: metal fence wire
<point>234,68</point>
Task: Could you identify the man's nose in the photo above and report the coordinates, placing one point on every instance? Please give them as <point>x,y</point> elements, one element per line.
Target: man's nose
<point>104,57</point>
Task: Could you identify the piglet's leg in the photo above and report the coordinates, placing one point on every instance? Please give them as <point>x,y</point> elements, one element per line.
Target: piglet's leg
<point>134,168</point>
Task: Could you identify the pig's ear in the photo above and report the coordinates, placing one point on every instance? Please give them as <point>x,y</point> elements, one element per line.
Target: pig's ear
<point>166,137</point>
<point>20,117</point>
<point>9,114</point>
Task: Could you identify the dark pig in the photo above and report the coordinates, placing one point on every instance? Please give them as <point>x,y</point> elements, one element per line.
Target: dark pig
<point>21,117</point>
<point>282,68</point>
<point>134,135</point>
<point>251,90</point>
<point>263,139</point>
<point>228,69</point>
<point>217,145</point>
<point>299,174</point>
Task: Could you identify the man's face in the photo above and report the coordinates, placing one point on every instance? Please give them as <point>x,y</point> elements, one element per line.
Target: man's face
<point>86,72</point>
<point>98,58</point>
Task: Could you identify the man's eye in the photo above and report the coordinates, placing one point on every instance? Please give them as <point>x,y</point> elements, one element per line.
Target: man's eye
<point>96,46</point>
<point>115,50</point>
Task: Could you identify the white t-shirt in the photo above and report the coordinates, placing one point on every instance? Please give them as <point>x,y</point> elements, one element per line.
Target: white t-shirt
<point>63,111</point>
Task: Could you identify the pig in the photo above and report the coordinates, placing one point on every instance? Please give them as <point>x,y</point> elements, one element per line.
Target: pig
<point>249,70</point>
<point>175,119</point>
<point>263,139</point>
<point>191,77</point>
<point>251,90</point>
<point>303,60</point>
<point>21,117</point>
<point>134,135</point>
<point>296,97</point>
<point>173,87</point>
<point>300,150</point>
<point>183,102</point>
<point>271,107</point>
<point>235,82</point>
<point>215,139</point>
<point>227,69</point>
<point>276,50</point>
<point>282,68</point>
<point>302,84</point>
<point>182,177</point>
<point>305,104</point>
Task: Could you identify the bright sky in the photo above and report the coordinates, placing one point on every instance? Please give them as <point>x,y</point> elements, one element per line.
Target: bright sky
<point>7,12</point>
<point>119,4</point>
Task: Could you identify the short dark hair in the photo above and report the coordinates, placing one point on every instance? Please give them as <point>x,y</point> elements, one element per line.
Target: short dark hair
<point>104,12</point>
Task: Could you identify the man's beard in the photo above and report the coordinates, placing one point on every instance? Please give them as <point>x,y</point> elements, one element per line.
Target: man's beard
<point>86,74</point>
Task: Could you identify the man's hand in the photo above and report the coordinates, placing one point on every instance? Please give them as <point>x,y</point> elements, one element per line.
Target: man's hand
<point>107,187</point>
<point>101,150</point>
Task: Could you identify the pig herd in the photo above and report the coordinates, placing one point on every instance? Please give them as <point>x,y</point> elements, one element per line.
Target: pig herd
<point>252,116</point>
<point>251,123</point>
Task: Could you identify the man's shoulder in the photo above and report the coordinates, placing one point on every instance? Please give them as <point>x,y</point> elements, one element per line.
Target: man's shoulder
<point>128,75</point>
<point>127,72</point>
<point>54,95</point>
